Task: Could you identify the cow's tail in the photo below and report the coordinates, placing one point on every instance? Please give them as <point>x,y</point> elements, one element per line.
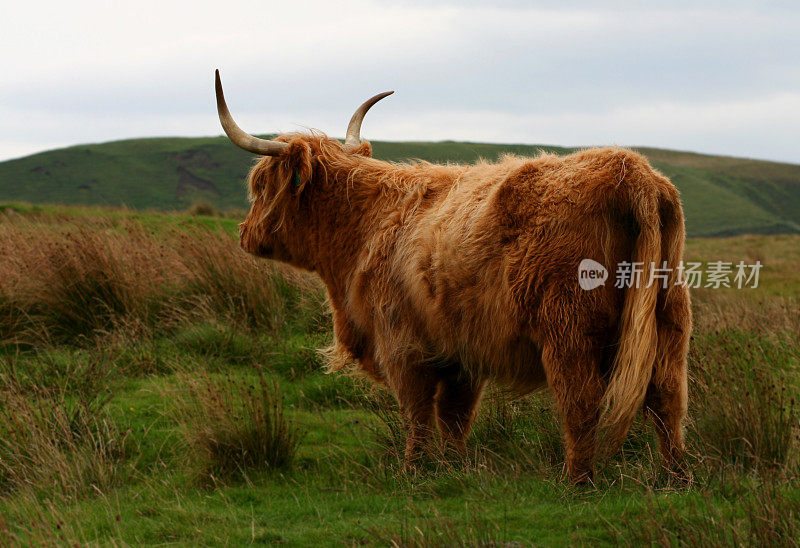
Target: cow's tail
<point>637,348</point>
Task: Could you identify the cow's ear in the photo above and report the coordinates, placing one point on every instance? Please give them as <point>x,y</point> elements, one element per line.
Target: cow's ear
<point>296,165</point>
<point>364,149</point>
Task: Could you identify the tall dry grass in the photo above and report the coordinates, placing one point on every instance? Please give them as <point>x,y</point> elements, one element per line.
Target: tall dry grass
<point>71,280</point>
<point>770,316</point>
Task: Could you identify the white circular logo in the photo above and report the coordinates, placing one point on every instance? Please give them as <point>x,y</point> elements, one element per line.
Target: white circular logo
<point>591,274</point>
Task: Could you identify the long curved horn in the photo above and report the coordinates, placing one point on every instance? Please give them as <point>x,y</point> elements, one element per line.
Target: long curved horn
<point>353,139</point>
<point>264,147</point>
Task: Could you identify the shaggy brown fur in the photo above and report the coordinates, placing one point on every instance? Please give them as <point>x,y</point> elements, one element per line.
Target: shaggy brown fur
<point>444,277</point>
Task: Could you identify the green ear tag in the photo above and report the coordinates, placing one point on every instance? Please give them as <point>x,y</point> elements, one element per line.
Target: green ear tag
<point>296,179</point>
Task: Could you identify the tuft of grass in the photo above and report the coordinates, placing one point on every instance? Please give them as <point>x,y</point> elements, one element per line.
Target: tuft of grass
<point>58,442</point>
<point>234,427</point>
<point>203,209</point>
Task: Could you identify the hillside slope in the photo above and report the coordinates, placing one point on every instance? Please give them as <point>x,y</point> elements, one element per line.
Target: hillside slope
<point>722,195</point>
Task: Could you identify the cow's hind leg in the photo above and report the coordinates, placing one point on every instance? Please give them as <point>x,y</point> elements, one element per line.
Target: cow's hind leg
<point>666,398</point>
<point>573,375</point>
<point>457,401</point>
<point>666,404</point>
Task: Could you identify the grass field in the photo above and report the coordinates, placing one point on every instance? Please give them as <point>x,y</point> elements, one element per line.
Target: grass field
<point>721,196</point>
<point>159,386</point>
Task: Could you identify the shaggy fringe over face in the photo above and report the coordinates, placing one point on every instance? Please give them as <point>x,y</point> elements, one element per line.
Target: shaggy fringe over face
<point>271,179</point>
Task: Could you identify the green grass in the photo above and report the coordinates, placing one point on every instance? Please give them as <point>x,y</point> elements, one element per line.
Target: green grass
<point>722,196</point>
<point>151,457</point>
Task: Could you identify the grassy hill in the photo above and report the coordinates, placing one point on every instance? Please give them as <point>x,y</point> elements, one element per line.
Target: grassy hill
<point>722,195</point>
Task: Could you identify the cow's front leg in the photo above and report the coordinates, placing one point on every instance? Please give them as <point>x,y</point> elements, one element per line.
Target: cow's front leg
<point>415,389</point>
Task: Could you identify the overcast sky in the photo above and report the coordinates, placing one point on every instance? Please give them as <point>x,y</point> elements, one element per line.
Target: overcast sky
<point>711,77</point>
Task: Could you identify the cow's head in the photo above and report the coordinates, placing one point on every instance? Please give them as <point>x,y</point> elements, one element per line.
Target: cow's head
<point>282,183</point>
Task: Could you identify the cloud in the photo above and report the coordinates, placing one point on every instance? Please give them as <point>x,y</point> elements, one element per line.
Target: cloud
<point>711,77</point>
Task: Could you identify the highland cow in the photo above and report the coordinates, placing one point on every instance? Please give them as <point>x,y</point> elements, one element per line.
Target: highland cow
<point>445,277</point>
